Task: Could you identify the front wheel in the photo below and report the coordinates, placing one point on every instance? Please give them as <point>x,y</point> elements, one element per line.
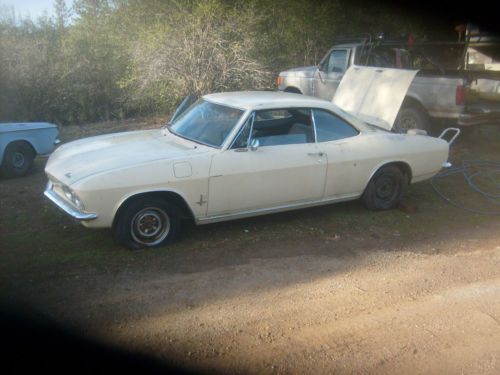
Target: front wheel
<point>384,189</point>
<point>147,222</point>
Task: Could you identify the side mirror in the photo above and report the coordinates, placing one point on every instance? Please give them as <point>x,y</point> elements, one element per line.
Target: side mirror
<point>254,145</point>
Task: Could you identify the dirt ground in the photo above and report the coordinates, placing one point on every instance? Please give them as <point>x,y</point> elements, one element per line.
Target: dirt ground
<point>334,289</point>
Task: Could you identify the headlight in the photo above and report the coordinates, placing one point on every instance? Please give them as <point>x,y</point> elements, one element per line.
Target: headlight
<point>72,197</point>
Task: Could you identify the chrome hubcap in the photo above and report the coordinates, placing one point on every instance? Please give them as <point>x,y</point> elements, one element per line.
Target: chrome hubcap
<point>18,159</point>
<point>150,226</point>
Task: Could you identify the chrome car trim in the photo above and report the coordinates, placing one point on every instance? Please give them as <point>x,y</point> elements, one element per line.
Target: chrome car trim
<point>250,118</point>
<point>65,206</point>
<point>275,209</point>
<point>311,110</point>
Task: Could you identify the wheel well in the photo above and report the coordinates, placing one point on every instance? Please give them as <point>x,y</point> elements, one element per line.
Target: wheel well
<point>403,167</point>
<point>169,196</point>
<point>414,103</point>
<point>22,142</point>
<point>294,90</point>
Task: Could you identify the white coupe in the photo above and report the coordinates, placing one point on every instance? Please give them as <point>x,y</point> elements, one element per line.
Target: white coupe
<point>234,155</point>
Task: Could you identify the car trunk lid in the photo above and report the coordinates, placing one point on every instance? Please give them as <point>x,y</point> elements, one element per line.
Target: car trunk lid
<point>374,94</point>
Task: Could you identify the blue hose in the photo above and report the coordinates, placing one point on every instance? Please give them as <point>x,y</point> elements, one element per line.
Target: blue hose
<point>471,171</point>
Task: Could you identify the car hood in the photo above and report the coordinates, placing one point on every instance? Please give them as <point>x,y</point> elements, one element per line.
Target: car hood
<point>372,94</point>
<point>90,156</point>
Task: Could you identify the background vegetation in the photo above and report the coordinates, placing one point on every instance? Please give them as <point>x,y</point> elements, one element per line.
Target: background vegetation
<point>105,59</point>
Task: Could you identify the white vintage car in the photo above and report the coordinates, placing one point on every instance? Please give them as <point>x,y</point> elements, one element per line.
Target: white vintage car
<point>235,155</point>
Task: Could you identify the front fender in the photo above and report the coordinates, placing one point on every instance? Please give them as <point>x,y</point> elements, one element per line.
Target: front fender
<point>137,193</point>
<point>105,193</point>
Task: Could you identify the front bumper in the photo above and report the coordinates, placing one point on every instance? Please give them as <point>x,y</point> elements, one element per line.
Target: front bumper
<point>65,206</point>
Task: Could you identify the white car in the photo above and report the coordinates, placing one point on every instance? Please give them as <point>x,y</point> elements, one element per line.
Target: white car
<point>235,155</point>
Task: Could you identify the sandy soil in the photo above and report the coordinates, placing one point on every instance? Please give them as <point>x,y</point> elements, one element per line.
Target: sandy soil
<point>426,308</point>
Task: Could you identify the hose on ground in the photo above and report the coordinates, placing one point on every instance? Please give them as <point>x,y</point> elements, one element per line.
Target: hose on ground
<point>476,173</point>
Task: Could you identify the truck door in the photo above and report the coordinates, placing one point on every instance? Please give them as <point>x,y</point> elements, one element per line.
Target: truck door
<point>330,73</point>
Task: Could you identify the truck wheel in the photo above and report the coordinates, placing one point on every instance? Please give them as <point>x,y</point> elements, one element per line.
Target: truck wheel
<point>17,159</point>
<point>410,118</point>
<point>385,188</point>
<point>292,90</point>
<point>147,222</point>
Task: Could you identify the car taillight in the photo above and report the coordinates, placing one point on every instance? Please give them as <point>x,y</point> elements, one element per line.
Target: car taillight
<point>278,81</point>
<point>460,95</point>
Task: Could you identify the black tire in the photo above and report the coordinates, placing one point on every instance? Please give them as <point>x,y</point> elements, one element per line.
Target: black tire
<point>385,188</point>
<point>411,117</point>
<point>146,223</point>
<point>17,159</point>
<point>293,90</point>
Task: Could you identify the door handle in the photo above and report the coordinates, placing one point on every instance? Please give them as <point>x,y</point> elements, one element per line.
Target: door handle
<point>320,154</point>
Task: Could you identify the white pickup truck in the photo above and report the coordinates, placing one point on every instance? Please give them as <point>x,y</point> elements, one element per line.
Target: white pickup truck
<point>456,81</point>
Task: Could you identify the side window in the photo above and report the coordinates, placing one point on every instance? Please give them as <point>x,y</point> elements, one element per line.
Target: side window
<point>330,127</point>
<point>337,61</point>
<point>283,127</point>
<point>242,138</point>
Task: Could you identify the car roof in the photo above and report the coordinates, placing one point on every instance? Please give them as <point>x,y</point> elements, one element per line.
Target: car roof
<point>260,100</point>
<point>255,100</point>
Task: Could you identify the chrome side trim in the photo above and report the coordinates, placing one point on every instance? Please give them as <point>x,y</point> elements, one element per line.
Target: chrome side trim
<point>276,209</point>
<point>65,206</point>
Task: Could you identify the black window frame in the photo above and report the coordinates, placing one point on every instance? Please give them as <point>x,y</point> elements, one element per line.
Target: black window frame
<point>323,66</point>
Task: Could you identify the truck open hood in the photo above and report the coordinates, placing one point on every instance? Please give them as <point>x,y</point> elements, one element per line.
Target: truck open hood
<point>374,94</point>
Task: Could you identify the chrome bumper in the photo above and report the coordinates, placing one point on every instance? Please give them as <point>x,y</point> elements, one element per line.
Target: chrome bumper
<point>475,119</point>
<point>65,206</point>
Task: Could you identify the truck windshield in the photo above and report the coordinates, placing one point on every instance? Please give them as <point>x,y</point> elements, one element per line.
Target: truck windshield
<point>206,123</point>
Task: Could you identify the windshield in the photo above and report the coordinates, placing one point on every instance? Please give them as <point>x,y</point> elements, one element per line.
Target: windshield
<point>206,123</point>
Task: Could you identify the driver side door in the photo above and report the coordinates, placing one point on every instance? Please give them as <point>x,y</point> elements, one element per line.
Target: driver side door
<point>327,78</point>
<point>287,167</point>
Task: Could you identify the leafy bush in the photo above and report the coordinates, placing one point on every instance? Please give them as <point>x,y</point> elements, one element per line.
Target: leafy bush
<point>106,59</point>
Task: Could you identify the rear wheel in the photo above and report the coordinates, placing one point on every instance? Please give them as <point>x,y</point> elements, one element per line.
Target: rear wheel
<point>384,189</point>
<point>293,90</point>
<point>17,159</point>
<point>147,222</point>
<point>411,117</point>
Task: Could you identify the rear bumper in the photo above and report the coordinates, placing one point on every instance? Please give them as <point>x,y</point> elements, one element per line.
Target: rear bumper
<point>474,119</point>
